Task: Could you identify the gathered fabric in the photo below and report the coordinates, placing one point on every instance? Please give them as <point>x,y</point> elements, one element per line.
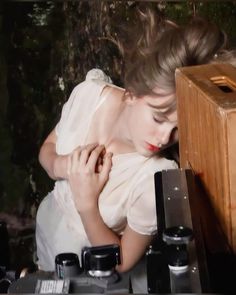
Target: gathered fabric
<point>127,198</point>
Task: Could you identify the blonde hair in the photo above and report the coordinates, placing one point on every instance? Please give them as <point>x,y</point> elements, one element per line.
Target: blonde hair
<point>160,46</point>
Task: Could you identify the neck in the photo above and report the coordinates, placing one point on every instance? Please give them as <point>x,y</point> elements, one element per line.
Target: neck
<point>119,141</point>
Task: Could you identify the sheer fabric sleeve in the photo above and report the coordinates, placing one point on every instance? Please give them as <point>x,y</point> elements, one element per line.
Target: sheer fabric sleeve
<point>66,109</point>
<point>88,90</point>
<point>141,215</point>
<point>77,112</point>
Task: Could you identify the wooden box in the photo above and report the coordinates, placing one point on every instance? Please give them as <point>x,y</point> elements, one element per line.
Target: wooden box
<point>206,103</point>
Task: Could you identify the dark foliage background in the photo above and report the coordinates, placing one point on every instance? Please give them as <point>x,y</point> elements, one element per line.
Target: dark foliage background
<point>46,48</point>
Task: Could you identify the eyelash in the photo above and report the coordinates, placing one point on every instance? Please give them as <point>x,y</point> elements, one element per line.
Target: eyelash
<point>157,120</point>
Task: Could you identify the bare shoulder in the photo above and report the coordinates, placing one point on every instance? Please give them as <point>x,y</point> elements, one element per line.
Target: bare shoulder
<point>113,101</point>
<point>112,93</point>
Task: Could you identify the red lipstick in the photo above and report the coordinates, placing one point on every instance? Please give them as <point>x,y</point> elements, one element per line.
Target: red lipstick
<point>152,148</point>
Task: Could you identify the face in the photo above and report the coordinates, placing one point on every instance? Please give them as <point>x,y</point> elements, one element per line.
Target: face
<point>152,123</point>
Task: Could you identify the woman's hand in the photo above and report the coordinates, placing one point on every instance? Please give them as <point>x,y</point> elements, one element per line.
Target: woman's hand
<point>88,170</point>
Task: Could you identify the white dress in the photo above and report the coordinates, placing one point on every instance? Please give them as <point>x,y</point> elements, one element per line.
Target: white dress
<point>128,196</point>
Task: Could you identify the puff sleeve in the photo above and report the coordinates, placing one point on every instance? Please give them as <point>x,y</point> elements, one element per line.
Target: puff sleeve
<point>141,215</point>
<point>77,114</point>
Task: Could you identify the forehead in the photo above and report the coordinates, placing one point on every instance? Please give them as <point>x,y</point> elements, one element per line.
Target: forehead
<point>164,103</point>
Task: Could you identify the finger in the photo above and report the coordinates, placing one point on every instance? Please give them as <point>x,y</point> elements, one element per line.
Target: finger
<point>106,168</point>
<point>84,157</point>
<point>99,164</point>
<point>80,148</point>
<point>68,167</point>
<point>94,156</point>
<point>85,153</point>
<point>99,168</point>
<point>75,160</point>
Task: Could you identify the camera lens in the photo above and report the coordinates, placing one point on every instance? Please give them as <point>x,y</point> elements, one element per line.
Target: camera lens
<point>67,265</point>
<point>178,235</point>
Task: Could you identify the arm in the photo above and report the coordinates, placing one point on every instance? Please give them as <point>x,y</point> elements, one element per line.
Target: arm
<point>86,185</point>
<point>55,165</point>
<point>132,244</point>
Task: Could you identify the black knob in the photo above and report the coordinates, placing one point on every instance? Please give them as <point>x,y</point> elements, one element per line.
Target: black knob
<point>177,255</point>
<point>177,238</point>
<point>67,265</point>
<point>101,258</point>
<point>4,285</point>
<point>177,235</point>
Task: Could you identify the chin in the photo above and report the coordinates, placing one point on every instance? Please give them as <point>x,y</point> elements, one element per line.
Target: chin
<point>145,153</point>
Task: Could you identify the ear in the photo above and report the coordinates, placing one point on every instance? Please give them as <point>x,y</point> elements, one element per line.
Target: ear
<point>130,98</point>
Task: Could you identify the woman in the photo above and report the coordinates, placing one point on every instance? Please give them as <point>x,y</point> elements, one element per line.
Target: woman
<point>109,141</point>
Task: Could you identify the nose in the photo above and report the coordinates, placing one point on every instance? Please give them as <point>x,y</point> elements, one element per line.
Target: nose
<point>165,136</point>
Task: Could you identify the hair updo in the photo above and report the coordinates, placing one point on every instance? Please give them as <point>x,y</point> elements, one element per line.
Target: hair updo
<point>160,46</point>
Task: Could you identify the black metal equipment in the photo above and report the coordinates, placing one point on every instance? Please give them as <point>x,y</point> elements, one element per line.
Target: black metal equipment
<point>97,274</point>
<point>101,261</point>
<point>190,253</point>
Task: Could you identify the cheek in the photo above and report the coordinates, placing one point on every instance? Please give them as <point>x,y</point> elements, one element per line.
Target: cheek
<point>153,127</point>
<point>141,121</point>
<point>137,118</point>
<point>148,125</point>
<point>155,131</point>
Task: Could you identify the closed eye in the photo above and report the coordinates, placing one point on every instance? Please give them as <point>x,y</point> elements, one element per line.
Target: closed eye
<point>158,119</point>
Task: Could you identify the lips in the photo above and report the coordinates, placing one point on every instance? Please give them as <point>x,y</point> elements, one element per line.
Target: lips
<point>152,148</point>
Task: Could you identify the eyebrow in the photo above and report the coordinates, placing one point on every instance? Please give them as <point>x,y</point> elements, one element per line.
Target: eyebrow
<point>170,107</point>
